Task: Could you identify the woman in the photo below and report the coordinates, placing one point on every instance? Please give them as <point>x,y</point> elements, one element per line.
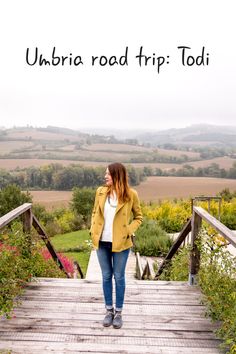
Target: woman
<point>111,231</point>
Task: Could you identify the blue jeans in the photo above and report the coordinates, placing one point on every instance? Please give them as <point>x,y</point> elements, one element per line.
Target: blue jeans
<point>112,263</point>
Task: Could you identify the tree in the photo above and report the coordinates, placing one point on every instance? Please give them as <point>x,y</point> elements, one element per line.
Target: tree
<point>11,197</point>
<point>148,171</point>
<point>227,195</point>
<point>82,202</point>
<point>5,178</point>
<point>232,171</point>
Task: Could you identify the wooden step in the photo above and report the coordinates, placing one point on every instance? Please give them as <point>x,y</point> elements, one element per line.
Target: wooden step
<point>65,316</point>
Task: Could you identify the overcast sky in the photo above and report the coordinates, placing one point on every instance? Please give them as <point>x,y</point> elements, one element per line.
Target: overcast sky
<point>128,96</point>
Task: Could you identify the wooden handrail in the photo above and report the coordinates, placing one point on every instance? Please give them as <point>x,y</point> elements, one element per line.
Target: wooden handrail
<point>78,269</point>
<point>199,214</point>
<point>216,224</point>
<point>194,225</point>
<point>13,214</point>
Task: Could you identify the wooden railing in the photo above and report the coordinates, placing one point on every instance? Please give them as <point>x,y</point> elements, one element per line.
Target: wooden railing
<point>193,225</point>
<point>182,236</point>
<point>200,214</point>
<point>29,220</point>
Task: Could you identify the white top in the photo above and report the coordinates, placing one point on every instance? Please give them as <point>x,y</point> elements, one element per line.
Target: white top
<point>109,214</point>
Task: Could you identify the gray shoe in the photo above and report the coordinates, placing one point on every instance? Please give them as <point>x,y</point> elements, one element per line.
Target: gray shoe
<point>117,322</point>
<point>108,319</point>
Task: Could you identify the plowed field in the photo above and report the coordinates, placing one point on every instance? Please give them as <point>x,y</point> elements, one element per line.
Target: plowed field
<point>153,189</point>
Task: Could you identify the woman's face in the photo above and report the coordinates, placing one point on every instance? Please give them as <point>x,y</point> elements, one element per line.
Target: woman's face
<point>108,178</point>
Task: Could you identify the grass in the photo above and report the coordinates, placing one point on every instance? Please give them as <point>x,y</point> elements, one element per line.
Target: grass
<point>74,246</point>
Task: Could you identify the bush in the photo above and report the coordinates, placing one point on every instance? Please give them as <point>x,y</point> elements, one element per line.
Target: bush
<point>19,262</point>
<point>59,221</point>
<point>52,228</point>
<point>178,268</point>
<point>228,214</point>
<point>13,275</point>
<point>67,263</point>
<point>151,240</point>
<point>217,280</point>
<point>218,283</point>
<point>171,216</point>
<point>42,214</point>
<point>44,267</point>
<point>69,221</point>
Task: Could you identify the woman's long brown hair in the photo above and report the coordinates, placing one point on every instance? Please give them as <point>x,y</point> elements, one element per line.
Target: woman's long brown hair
<point>120,184</point>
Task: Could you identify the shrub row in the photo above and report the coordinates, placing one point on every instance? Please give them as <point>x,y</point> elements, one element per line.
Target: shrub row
<point>172,215</point>
<point>20,261</point>
<point>217,281</point>
<point>151,239</point>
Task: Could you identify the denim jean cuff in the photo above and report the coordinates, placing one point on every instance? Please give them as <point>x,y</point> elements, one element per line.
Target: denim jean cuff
<point>118,309</point>
<point>109,307</point>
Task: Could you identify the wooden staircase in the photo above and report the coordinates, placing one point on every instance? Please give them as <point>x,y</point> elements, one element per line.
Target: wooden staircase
<point>65,316</point>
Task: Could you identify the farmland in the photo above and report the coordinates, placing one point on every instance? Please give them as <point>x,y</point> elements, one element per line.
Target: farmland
<point>153,189</point>
<point>52,199</point>
<point>159,188</point>
<point>65,150</point>
<point>32,134</point>
<point>224,162</point>
<point>21,148</point>
<point>62,144</point>
<point>7,147</point>
<point>117,148</point>
<point>27,146</point>
<point>11,164</point>
<point>30,147</point>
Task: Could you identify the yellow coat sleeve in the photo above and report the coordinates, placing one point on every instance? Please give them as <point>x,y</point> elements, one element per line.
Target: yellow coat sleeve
<point>137,214</point>
<point>94,208</point>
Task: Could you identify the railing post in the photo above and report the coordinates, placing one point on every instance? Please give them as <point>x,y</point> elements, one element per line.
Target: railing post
<point>194,254</point>
<point>27,219</point>
<point>139,268</point>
